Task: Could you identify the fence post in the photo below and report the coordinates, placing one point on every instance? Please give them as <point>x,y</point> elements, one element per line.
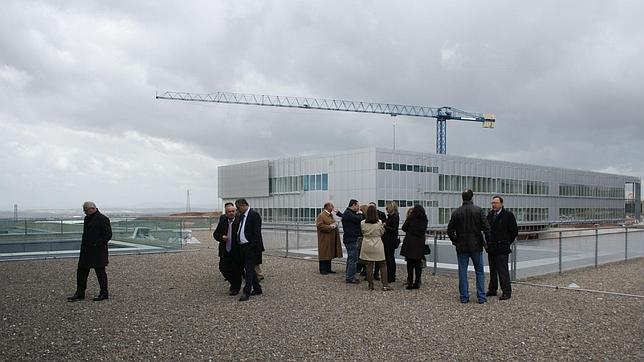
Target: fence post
<point>560,261</point>
<point>126,224</point>
<point>596,246</point>
<point>513,261</point>
<point>61,226</point>
<point>297,235</point>
<point>625,243</point>
<point>181,233</point>
<point>286,254</point>
<point>25,226</point>
<point>435,252</point>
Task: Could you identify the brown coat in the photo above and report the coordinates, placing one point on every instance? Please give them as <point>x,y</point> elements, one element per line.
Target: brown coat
<point>328,237</point>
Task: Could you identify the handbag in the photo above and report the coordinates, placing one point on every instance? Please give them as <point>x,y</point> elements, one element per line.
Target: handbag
<point>427,250</point>
<point>396,243</point>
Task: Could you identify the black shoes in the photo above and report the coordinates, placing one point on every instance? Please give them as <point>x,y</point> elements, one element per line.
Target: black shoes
<point>244,297</point>
<point>75,298</point>
<point>256,292</point>
<point>504,297</point>
<point>354,281</point>
<point>233,292</point>
<point>100,297</point>
<point>490,293</point>
<point>324,272</point>
<point>331,272</point>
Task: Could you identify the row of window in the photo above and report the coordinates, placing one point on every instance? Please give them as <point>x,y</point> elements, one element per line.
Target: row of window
<point>289,214</point>
<point>591,191</point>
<point>286,184</point>
<point>491,185</point>
<point>409,203</point>
<point>405,167</point>
<point>588,213</point>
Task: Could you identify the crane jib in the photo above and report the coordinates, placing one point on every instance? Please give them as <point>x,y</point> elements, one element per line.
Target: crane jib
<point>441,114</point>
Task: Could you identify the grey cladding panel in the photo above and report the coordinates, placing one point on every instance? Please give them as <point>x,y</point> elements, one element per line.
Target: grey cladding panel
<point>244,180</point>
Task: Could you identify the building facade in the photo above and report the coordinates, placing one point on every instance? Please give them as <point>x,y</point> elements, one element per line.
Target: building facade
<point>294,189</point>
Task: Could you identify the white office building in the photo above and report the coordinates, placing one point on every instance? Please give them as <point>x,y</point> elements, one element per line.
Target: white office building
<point>294,189</point>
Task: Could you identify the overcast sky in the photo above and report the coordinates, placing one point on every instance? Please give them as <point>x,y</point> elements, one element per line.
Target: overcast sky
<point>79,119</point>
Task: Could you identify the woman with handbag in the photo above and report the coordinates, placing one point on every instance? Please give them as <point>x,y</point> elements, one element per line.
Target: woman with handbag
<point>413,248</point>
<point>391,240</point>
<point>373,250</point>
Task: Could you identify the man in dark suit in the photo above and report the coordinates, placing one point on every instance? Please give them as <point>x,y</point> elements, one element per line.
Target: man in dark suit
<point>504,231</point>
<point>229,261</point>
<point>97,231</point>
<point>251,246</point>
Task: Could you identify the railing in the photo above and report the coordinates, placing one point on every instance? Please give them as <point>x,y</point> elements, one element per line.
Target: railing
<point>51,235</point>
<point>553,251</point>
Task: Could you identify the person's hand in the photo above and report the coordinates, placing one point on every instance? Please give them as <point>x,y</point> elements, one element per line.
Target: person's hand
<point>334,225</point>
<point>359,212</point>
<point>224,237</point>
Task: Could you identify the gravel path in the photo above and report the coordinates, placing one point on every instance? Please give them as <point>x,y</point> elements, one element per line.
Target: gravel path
<point>171,306</point>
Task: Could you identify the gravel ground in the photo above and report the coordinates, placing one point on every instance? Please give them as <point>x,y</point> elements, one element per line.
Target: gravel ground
<point>172,306</point>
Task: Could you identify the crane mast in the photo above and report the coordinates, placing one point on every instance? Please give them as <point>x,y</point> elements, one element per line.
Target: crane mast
<point>441,114</point>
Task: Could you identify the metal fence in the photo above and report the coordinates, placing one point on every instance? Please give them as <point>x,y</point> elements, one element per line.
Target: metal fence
<point>551,251</point>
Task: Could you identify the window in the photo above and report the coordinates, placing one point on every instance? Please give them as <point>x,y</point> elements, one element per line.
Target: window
<point>381,203</point>
<point>325,181</point>
<point>387,166</point>
<point>416,168</point>
<point>318,182</point>
<point>396,167</point>
<point>381,165</point>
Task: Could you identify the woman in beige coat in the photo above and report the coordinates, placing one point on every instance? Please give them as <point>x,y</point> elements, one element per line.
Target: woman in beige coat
<point>373,250</point>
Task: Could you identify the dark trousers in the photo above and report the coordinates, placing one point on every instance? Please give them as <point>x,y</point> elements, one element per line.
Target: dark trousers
<point>230,267</point>
<point>325,266</point>
<point>249,260</point>
<point>390,260</point>
<point>81,280</point>
<point>499,273</point>
<point>414,265</point>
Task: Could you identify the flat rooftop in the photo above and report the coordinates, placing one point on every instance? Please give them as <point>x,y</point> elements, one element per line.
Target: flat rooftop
<point>172,306</point>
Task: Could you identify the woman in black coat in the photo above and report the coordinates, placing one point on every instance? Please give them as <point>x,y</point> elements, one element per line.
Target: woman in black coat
<point>390,239</point>
<point>414,227</point>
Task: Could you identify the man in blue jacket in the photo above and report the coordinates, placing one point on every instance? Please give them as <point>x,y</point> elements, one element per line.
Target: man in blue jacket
<point>351,219</point>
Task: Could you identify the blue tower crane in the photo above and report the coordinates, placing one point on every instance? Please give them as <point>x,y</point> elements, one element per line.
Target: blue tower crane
<point>441,114</point>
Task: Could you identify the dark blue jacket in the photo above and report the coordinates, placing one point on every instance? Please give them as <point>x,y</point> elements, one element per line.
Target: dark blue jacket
<point>351,226</point>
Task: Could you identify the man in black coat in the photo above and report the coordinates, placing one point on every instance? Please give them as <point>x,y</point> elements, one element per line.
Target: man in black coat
<point>229,260</point>
<point>97,231</point>
<point>468,229</point>
<point>251,246</point>
<point>351,231</point>
<point>504,231</point>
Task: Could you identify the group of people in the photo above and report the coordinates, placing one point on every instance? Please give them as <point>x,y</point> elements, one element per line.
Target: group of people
<point>369,235</point>
<point>370,238</point>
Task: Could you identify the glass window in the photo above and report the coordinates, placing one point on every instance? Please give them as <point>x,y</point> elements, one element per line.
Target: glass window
<point>381,203</point>
<point>403,167</point>
<point>388,166</point>
<point>325,181</point>
<point>410,167</point>
<point>305,178</point>
<point>416,168</point>
<point>396,167</point>
<point>381,165</point>
<point>312,182</point>
<point>318,182</point>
